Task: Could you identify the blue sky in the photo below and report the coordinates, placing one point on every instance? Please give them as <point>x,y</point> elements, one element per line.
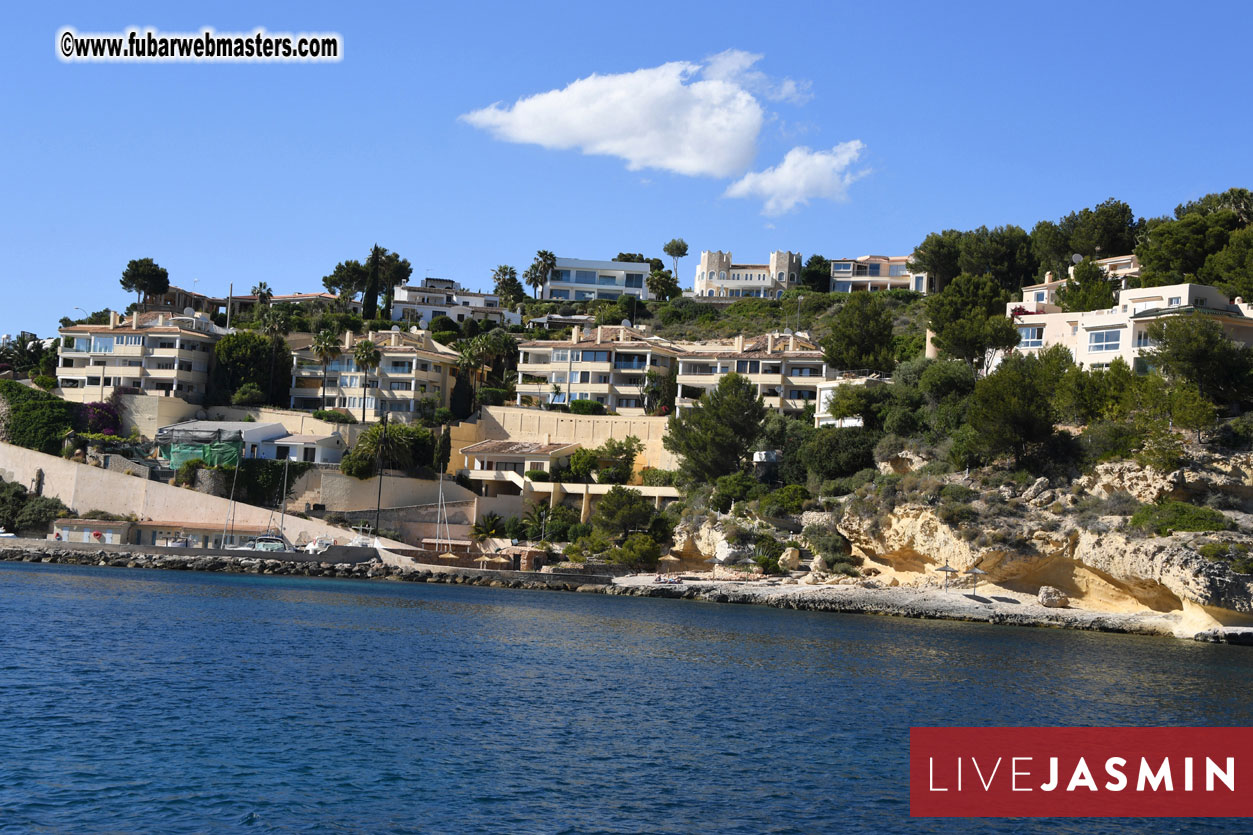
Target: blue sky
<point>960,115</point>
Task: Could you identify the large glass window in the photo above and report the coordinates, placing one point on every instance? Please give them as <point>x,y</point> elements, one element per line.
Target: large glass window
<point>1106,340</point>
<point>561,275</point>
<point>560,355</point>
<point>635,280</point>
<point>559,294</point>
<point>584,276</point>
<point>897,269</point>
<point>607,280</point>
<point>1031,336</point>
<point>842,267</point>
<point>595,356</point>
<point>747,366</point>
<point>102,344</point>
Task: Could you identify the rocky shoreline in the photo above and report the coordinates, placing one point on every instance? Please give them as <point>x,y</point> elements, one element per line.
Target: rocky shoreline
<point>989,607</point>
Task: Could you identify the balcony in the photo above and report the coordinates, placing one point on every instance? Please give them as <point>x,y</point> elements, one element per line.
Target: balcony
<point>637,365</point>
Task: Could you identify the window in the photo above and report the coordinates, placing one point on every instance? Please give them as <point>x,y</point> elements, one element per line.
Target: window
<point>842,267</point>
<point>595,356</point>
<point>102,344</point>
<point>400,366</point>
<point>607,280</point>
<point>559,294</point>
<point>1175,301</point>
<point>561,275</point>
<point>747,366</point>
<point>1031,336</point>
<point>561,356</point>
<point>635,280</point>
<point>897,270</point>
<point>873,271</point>
<point>1106,340</point>
<point>800,394</point>
<point>1040,295</point>
<point>584,276</point>
<point>401,385</point>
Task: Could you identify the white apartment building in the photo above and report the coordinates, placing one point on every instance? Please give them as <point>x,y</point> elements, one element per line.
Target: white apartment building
<point>609,365</point>
<point>574,279</point>
<point>876,272</point>
<point>413,367</point>
<point>152,353</point>
<point>1097,337</point>
<point>719,277</point>
<point>445,297</point>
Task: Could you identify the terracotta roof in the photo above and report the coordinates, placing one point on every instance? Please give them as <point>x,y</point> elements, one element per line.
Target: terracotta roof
<point>514,448</point>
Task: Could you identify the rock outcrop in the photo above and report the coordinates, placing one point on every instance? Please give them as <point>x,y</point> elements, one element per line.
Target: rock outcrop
<point>1053,598</point>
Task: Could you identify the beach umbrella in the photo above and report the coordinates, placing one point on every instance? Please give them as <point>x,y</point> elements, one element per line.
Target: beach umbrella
<point>947,569</point>
<point>670,558</point>
<point>499,560</point>
<point>976,572</point>
<point>482,559</point>
<point>449,555</point>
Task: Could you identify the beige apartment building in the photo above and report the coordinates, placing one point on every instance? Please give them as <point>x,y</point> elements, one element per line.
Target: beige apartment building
<point>413,367</point>
<point>151,353</point>
<point>1096,338</point>
<point>609,364</point>
<point>876,272</point>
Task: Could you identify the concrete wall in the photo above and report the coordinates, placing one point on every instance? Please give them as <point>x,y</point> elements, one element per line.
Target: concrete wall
<point>148,413</point>
<point>85,488</point>
<point>518,424</point>
<point>342,494</point>
<point>297,423</point>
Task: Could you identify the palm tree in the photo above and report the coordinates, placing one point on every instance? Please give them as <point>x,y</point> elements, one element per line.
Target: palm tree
<point>326,348</point>
<point>547,262</point>
<point>533,278</point>
<point>536,521</point>
<point>489,525</point>
<point>274,323</point>
<point>470,361</point>
<point>263,293</point>
<point>367,356</point>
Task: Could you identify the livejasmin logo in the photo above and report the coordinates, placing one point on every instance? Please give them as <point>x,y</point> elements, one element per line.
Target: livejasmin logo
<point>1081,772</point>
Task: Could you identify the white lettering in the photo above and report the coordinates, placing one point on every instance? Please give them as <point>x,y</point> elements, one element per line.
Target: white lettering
<point>1081,777</point>
<point>1228,775</point>
<point>931,767</point>
<point>1162,776</point>
<point>1113,767</point>
<point>988,782</point>
<point>1052,783</point>
<point>1187,774</point>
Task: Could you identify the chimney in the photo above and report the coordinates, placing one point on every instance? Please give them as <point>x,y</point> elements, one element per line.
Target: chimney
<point>770,343</point>
<point>600,332</point>
<point>575,332</point>
<point>395,339</point>
<point>739,343</point>
<point>791,342</point>
<point>347,340</point>
<point>113,320</point>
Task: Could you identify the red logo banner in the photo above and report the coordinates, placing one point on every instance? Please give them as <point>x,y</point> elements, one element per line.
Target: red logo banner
<point>1081,772</point>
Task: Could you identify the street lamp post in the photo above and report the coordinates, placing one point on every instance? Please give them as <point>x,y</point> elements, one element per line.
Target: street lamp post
<point>799,299</point>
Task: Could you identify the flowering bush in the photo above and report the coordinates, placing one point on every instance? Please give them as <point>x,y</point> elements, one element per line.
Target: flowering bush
<point>101,418</point>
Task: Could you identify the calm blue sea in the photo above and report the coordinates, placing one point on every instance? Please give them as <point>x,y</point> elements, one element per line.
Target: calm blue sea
<point>154,701</point>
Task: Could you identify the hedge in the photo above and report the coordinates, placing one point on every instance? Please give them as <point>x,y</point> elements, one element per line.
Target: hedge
<point>586,407</point>
<point>332,416</point>
<point>36,419</point>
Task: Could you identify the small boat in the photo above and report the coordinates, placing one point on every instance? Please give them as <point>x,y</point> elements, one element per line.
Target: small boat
<point>269,543</point>
<point>6,535</point>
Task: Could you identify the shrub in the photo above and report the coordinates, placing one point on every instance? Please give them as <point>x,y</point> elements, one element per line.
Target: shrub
<point>1236,433</point>
<point>249,394</point>
<point>537,475</point>
<point>38,512</point>
<point>1168,517</point>
<point>768,550</point>
<point>958,493</point>
<point>493,397</point>
<point>185,476</point>
<point>36,420</point>
<point>45,382</point>
<point>445,337</point>
<point>956,513</point>
<point>653,477</point>
<point>1109,441</point>
<point>1235,554</point>
<point>332,416</point>
<point>729,489</point>
<point>638,551</point>
<point>586,407</point>
<point>786,501</point>
<point>576,531</point>
<point>828,544</point>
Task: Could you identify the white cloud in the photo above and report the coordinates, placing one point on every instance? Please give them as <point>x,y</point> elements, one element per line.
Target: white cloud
<point>669,117</point>
<point>734,66</point>
<point>803,175</point>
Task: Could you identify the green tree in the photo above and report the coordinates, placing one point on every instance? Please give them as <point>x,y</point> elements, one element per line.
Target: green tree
<point>640,258</point>
<point>367,357</point>
<point>1088,289</point>
<point>1175,251</point>
<point>443,451</point>
<point>659,390</point>
<point>537,274</point>
<point>263,293</point>
<point>715,435</point>
<point>638,551</point>
<point>1190,410</point>
<point>143,276</point>
<point>389,446</point>
<point>1003,252</point>
<point>1107,229</point>
<point>346,280</point>
<point>676,248</point>
<point>1231,268</point>
<point>1192,346</point>
<point>275,324</point>
<point>861,335</point>
<point>939,256</point>
<point>816,274</point>
<point>393,272</point>
<point>835,452</point>
<point>326,349</point>
<point>1239,201</point>
<point>1010,409</point>
<point>370,294</point>
<point>621,511</point>
<point>243,357</point>
<point>506,285</point>
<point>969,322</point>
<point>662,285</point>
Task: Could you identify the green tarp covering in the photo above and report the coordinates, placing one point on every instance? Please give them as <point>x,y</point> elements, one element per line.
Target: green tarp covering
<point>215,454</point>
